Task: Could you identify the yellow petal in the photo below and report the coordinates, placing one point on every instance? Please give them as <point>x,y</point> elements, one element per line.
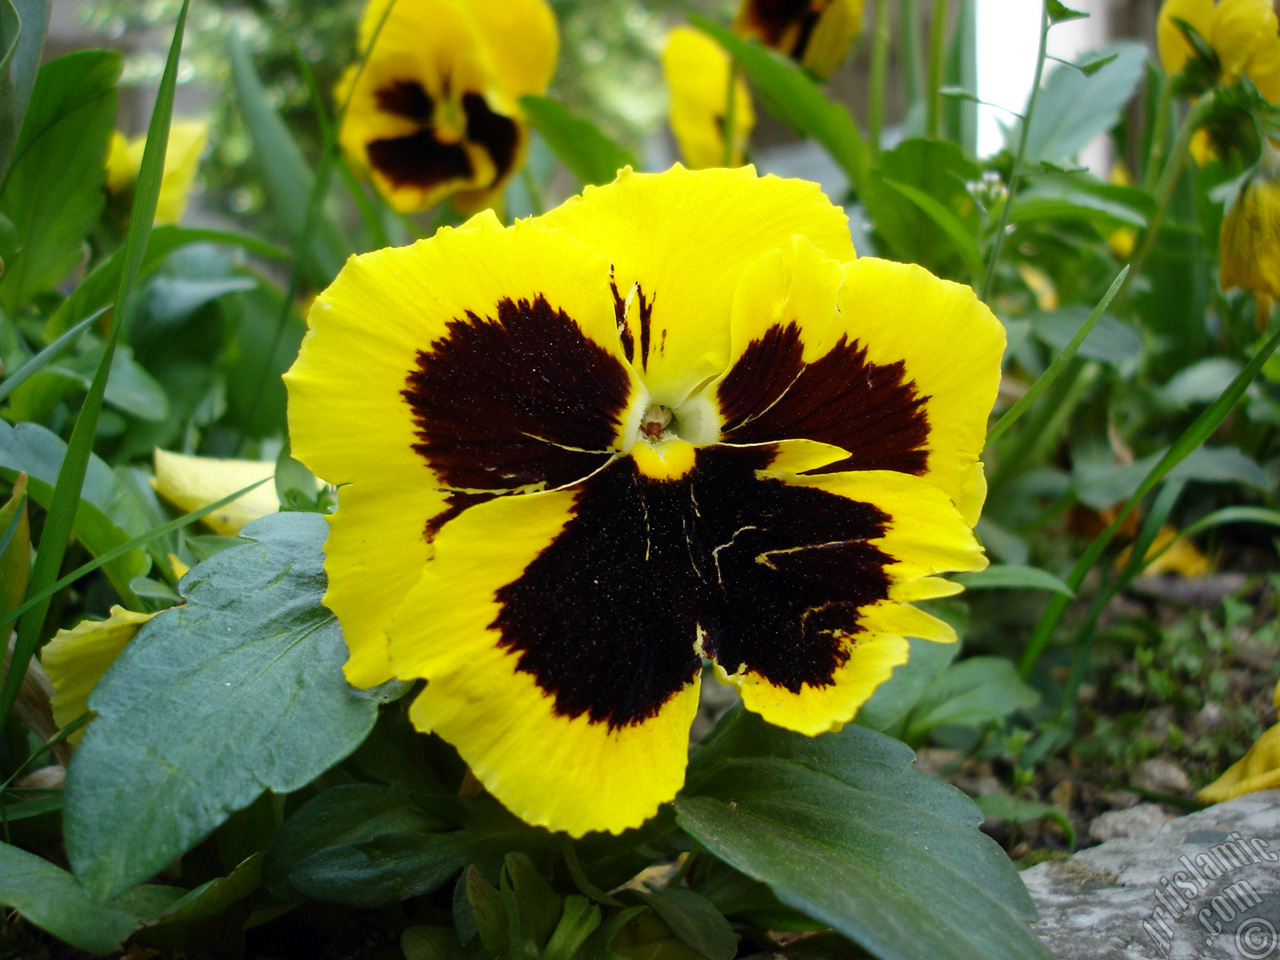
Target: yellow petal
<point>190,483</point>
<point>1249,246</point>
<point>1259,769</point>
<point>121,169</point>
<point>816,34</point>
<point>76,659</point>
<point>697,73</point>
<point>1240,27</point>
<point>521,42</point>
<point>679,242</point>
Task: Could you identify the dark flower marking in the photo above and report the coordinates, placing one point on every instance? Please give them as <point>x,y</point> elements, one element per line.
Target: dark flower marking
<point>607,617</point>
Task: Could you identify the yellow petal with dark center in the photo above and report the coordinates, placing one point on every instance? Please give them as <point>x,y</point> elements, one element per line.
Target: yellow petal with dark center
<point>495,365</point>
<point>679,243</point>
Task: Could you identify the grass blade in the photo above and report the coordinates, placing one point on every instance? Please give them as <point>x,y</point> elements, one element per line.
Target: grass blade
<point>47,355</point>
<point>61,513</point>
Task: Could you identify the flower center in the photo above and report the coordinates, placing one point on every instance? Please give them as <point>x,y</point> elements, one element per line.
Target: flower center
<point>654,423</point>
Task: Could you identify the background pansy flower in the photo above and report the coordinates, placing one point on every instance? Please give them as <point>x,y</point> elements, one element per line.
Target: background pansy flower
<point>1242,34</point>
<point>187,139</point>
<point>673,419</point>
<point>814,33</point>
<point>433,110</point>
<point>1249,244</point>
<point>697,74</point>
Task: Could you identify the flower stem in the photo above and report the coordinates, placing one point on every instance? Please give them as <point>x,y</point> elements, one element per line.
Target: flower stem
<point>1159,132</point>
<point>1168,180</point>
<point>937,66</point>
<point>911,67</point>
<point>1017,172</point>
<point>879,69</point>
<point>730,110</point>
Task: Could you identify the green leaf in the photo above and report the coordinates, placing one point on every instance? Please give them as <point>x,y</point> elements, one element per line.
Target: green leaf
<point>1012,577</point>
<point>15,547</point>
<point>842,828</point>
<point>1074,108</point>
<point>961,238</point>
<point>53,193</point>
<point>1102,485</point>
<point>579,143</point>
<point>211,898</point>
<point>130,388</point>
<point>695,921</point>
<point>1002,806</point>
<point>1082,198</point>
<point>53,900</point>
<point>287,180</point>
<point>580,919</point>
<point>971,693</point>
<point>1058,12</point>
<point>797,101</point>
<point>22,30</point>
<point>238,691</point>
<point>894,698</point>
<point>105,517</point>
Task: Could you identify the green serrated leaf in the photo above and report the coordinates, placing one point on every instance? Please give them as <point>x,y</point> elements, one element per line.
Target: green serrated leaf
<point>237,691</point>
<point>53,900</point>
<point>579,143</point>
<point>842,828</point>
<point>1059,12</point>
<point>66,129</point>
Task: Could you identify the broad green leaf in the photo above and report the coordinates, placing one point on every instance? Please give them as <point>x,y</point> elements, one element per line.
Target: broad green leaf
<point>579,143</point>
<point>105,518</point>
<point>695,921</point>
<point>971,693</point>
<point>1102,485</point>
<point>130,388</point>
<point>1082,198</point>
<point>237,691</point>
<point>347,813</point>
<point>53,193</point>
<point>1074,108</point>
<point>54,901</point>
<point>98,288</point>
<point>950,225</point>
<point>1012,577</point>
<point>22,29</point>
<point>797,101</point>
<point>287,180</point>
<point>842,828</point>
<point>894,698</point>
<point>1110,341</point>
<point>213,897</point>
<point>1201,382</point>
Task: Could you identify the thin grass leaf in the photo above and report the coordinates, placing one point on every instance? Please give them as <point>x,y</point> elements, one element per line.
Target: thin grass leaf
<point>948,223</point>
<point>61,513</point>
<point>47,355</point>
<point>1196,434</point>
<point>1059,363</point>
<point>46,747</point>
<point>139,541</point>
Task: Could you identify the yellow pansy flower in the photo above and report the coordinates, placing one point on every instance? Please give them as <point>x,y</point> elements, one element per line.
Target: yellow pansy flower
<point>674,419</point>
<point>433,111</point>
<point>187,139</point>
<point>1249,246</point>
<point>814,33</point>
<point>697,72</point>
<point>1243,34</point>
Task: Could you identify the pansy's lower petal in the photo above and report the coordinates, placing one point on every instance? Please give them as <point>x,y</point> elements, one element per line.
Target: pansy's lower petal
<point>558,648</point>
<point>901,370</point>
<point>810,614</point>
<point>679,242</point>
<point>495,367</point>
<point>379,540</point>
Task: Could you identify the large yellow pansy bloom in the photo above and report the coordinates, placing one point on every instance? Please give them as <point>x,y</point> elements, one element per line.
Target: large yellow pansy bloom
<point>1242,33</point>
<point>671,420</point>
<point>697,72</point>
<point>433,111</point>
<point>814,33</point>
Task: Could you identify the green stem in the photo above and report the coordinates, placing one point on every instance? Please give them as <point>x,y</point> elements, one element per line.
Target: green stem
<point>937,66</point>
<point>879,69</point>
<point>1017,172</point>
<point>1168,181</point>
<point>1159,133</point>
<point>912,69</point>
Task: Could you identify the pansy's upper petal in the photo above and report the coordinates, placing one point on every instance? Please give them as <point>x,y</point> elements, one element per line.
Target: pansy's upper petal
<point>1241,27</point>
<point>679,242</point>
<point>521,41</point>
<point>827,616</point>
<point>558,646</point>
<point>894,365</point>
<point>697,74</point>
<point>495,367</point>
<point>1173,45</point>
